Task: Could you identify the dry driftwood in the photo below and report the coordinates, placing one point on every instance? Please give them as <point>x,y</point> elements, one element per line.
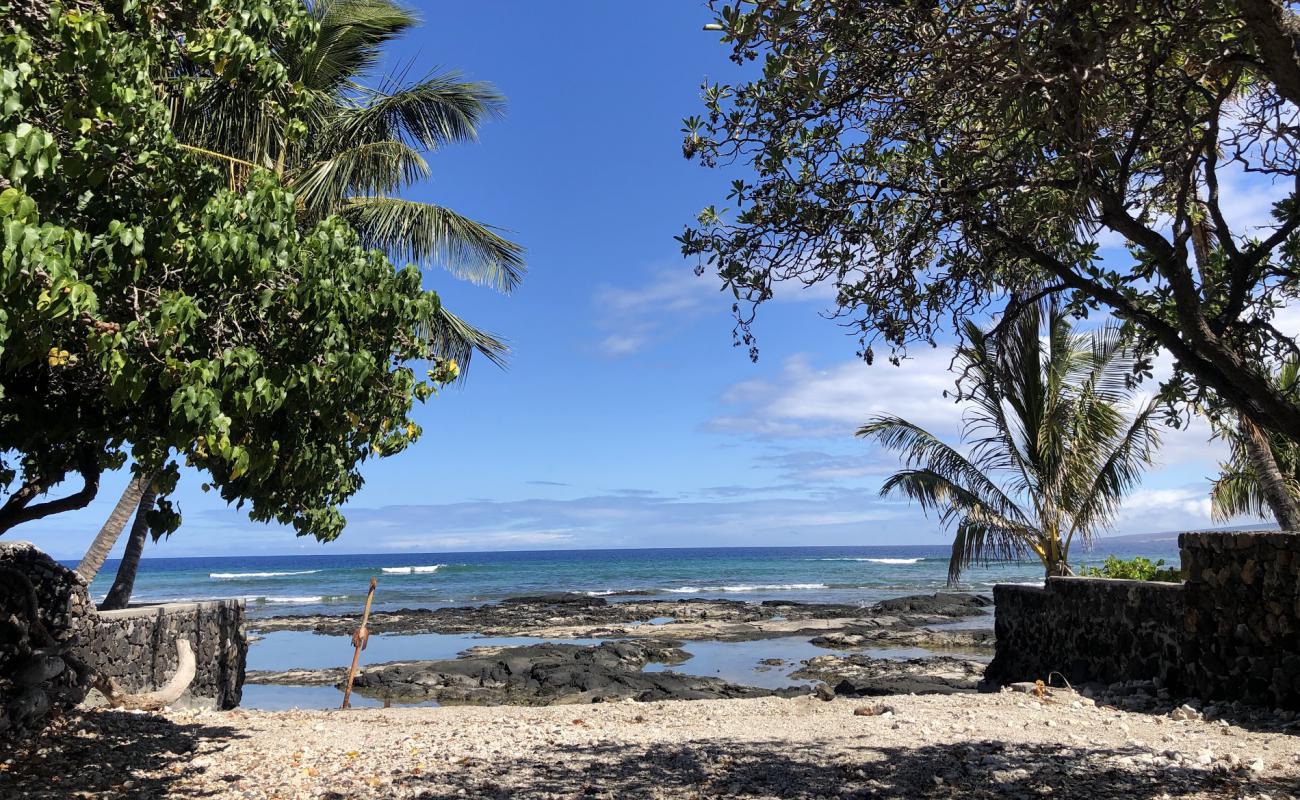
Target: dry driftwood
<point>169,693</point>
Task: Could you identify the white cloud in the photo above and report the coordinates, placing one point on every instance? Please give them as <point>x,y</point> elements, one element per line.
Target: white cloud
<point>1159,510</point>
<point>635,316</point>
<point>480,540</point>
<point>808,401</point>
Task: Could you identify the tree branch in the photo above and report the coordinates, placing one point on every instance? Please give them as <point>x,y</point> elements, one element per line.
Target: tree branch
<point>16,511</point>
<point>1277,37</point>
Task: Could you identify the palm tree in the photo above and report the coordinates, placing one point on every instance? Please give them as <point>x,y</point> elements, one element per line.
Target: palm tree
<point>349,149</point>
<point>1051,451</point>
<point>1262,474</point>
<point>119,594</point>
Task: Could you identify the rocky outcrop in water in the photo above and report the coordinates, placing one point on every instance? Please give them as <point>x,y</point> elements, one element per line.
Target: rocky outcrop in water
<point>574,616</point>
<point>892,638</point>
<point>550,674</point>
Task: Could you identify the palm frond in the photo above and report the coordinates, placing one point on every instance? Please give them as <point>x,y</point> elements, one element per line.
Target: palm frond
<point>977,542</point>
<point>449,336</point>
<point>237,170</point>
<point>438,110</point>
<point>350,41</point>
<point>920,447</point>
<point>1237,493</point>
<point>1124,457</point>
<point>371,168</point>
<point>998,441</point>
<point>423,233</point>
<point>982,533</point>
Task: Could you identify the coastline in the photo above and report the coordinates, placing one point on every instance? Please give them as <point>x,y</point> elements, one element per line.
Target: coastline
<point>574,648</point>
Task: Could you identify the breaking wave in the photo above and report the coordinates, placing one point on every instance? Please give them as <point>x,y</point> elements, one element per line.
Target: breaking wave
<point>758,587</point>
<point>227,576</point>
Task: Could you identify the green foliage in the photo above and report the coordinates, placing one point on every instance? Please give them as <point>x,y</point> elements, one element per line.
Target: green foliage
<point>149,310</point>
<point>1139,568</point>
<point>348,148</point>
<point>1051,451</point>
<point>928,160</point>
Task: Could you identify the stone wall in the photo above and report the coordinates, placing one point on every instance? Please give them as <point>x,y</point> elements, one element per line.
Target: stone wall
<point>1230,632</point>
<point>1088,629</point>
<point>1242,626</point>
<point>44,611</point>
<point>137,647</point>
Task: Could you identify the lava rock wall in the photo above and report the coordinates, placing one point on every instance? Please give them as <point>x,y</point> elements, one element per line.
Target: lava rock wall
<point>45,612</point>
<point>1230,632</point>
<point>136,647</point>
<point>1242,624</point>
<point>1088,629</point>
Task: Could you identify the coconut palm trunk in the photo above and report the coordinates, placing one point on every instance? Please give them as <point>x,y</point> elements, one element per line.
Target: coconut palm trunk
<point>93,561</point>
<point>119,596</point>
<point>1273,485</point>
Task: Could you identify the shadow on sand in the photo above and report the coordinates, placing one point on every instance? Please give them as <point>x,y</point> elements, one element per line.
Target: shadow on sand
<point>105,754</point>
<point>120,755</point>
<point>708,770</point>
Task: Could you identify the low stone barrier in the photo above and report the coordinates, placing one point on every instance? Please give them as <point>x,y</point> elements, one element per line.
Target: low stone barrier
<point>1230,632</point>
<point>1088,629</point>
<point>136,647</point>
<point>1242,626</point>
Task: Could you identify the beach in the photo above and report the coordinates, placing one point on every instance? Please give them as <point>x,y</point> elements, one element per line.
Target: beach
<point>575,694</point>
<point>1007,744</point>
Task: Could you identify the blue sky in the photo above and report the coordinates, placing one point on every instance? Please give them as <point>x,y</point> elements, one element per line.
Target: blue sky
<point>626,418</point>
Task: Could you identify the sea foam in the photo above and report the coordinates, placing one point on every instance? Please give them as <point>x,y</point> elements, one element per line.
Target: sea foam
<point>226,576</point>
<point>760,587</point>
<point>410,570</point>
<point>878,560</point>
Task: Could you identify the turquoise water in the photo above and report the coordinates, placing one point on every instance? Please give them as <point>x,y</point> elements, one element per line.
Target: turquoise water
<point>337,583</point>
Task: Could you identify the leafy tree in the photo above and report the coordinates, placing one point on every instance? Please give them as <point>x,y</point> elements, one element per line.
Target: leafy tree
<point>930,160</point>
<point>1052,453</point>
<point>348,148</point>
<point>150,312</point>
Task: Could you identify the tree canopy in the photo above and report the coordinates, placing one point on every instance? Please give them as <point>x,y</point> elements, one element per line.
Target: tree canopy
<point>150,311</point>
<point>931,160</point>
<point>348,145</point>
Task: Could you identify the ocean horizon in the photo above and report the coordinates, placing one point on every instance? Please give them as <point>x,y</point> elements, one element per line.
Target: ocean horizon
<point>337,583</point>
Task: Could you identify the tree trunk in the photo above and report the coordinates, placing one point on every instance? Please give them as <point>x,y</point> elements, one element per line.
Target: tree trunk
<point>124,584</point>
<point>1272,483</point>
<point>160,698</point>
<point>1274,29</point>
<point>1058,568</point>
<point>97,553</point>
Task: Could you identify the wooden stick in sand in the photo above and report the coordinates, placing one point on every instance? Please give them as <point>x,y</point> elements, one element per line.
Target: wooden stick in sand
<point>359,640</point>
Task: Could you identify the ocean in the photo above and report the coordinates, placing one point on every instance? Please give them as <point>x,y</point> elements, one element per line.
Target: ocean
<point>334,584</point>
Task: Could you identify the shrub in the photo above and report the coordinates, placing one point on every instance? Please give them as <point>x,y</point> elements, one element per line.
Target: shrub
<point>1135,569</point>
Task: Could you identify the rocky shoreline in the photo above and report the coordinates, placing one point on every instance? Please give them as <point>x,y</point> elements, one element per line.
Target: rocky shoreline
<point>576,616</point>
<point>628,636</point>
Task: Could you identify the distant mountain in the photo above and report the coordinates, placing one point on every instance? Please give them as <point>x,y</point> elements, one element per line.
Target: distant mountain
<point>1172,536</point>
